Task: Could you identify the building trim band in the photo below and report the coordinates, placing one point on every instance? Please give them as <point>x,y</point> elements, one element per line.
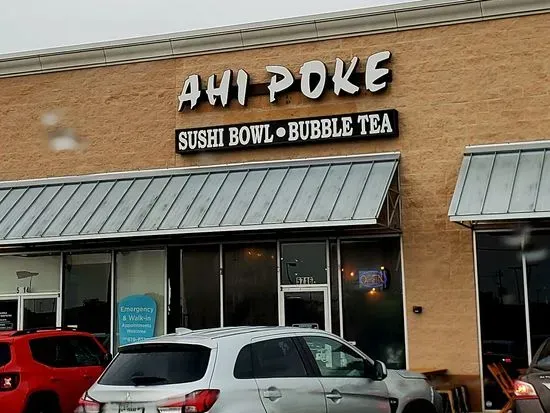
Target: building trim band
<point>372,20</point>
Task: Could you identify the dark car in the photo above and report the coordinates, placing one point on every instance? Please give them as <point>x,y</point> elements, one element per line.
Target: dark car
<point>532,390</point>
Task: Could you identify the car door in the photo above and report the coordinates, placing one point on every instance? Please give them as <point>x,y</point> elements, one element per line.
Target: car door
<point>89,358</point>
<point>342,373</point>
<point>284,384</point>
<point>59,370</point>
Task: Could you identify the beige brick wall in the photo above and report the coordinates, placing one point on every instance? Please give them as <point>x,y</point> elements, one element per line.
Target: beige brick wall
<point>453,86</point>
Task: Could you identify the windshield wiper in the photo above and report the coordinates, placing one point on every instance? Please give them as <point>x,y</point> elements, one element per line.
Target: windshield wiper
<point>147,380</point>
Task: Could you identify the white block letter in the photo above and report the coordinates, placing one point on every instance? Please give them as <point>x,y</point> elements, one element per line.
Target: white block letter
<point>315,129</point>
<point>293,133</point>
<point>233,136</point>
<point>221,91</point>
<point>277,86</point>
<point>386,124</point>
<point>190,92</point>
<point>182,141</point>
<point>309,68</point>
<point>341,80</point>
<point>373,73</point>
<point>326,130</point>
<point>242,86</point>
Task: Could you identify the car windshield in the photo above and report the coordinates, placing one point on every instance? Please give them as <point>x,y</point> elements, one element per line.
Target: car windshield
<point>5,354</point>
<point>156,364</point>
<point>543,360</point>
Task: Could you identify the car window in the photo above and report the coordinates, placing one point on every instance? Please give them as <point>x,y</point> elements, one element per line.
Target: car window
<point>243,364</point>
<point>86,351</point>
<point>53,352</point>
<point>5,354</point>
<point>335,359</point>
<point>277,358</point>
<point>157,364</point>
<point>542,359</point>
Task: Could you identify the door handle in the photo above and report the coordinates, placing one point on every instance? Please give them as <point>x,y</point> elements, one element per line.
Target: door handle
<point>334,395</point>
<point>54,379</point>
<point>272,394</point>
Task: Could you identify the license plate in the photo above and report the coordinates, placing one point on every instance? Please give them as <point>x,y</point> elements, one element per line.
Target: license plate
<point>130,409</point>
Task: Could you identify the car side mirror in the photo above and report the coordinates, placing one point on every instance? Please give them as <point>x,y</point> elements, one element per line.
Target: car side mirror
<point>381,370</point>
<point>107,359</point>
<point>376,371</point>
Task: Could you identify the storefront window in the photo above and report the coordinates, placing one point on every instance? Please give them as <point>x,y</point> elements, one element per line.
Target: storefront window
<point>200,287</point>
<point>29,274</point>
<point>537,257</point>
<point>250,284</point>
<point>140,290</point>
<point>334,274</point>
<point>502,311</point>
<point>303,263</point>
<point>87,294</point>
<point>373,298</point>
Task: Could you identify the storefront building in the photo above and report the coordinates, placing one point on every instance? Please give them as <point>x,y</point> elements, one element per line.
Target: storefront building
<point>383,174</point>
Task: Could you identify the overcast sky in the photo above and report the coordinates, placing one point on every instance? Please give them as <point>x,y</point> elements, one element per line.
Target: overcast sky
<point>37,24</point>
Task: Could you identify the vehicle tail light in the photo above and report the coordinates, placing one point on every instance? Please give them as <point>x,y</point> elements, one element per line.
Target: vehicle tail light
<point>87,405</point>
<point>199,401</point>
<point>8,381</point>
<point>524,390</point>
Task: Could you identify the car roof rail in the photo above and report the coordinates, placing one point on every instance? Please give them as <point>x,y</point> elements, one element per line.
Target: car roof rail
<point>183,330</point>
<point>39,329</point>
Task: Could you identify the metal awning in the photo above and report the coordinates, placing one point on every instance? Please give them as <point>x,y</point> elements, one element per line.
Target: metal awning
<point>322,192</point>
<point>503,182</point>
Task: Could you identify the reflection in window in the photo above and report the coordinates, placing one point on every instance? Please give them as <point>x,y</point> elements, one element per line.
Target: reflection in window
<point>334,303</point>
<point>200,286</point>
<point>39,312</point>
<point>537,257</point>
<point>502,311</point>
<point>29,274</point>
<point>373,298</point>
<point>277,358</point>
<point>335,359</point>
<point>87,294</point>
<point>139,294</point>
<point>250,284</point>
<point>304,263</point>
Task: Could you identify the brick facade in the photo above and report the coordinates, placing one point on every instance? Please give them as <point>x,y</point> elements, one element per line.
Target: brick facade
<point>473,83</point>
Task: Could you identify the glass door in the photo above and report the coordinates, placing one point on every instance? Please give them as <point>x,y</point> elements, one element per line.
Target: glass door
<point>9,314</point>
<point>305,307</point>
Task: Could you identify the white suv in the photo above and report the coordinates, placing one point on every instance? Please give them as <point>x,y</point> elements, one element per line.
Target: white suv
<point>254,370</point>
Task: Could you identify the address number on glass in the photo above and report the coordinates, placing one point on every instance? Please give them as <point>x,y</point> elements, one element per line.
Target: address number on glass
<point>305,280</point>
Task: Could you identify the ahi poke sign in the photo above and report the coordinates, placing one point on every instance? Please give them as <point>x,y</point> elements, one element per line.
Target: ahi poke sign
<point>313,81</point>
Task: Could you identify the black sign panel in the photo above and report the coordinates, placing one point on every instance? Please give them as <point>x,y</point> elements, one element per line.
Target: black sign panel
<point>367,125</point>
<point>8,315</point>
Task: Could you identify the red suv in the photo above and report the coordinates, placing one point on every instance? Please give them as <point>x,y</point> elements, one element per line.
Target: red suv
<point>47,370</point>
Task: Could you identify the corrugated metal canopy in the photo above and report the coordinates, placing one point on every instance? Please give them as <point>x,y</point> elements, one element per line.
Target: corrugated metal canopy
<point>503,182</point>
<point>275,195</point>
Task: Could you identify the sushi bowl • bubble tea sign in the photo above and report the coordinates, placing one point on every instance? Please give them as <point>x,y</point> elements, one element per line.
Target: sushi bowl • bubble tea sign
<point>136,318</point>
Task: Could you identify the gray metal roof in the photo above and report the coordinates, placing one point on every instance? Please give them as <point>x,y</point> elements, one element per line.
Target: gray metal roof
<point>293,194</point>
<point>503,182</point>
